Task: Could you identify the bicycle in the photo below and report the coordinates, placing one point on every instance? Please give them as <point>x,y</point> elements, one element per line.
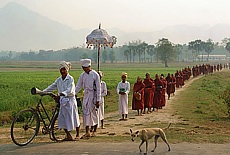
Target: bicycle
<point>26,123</point>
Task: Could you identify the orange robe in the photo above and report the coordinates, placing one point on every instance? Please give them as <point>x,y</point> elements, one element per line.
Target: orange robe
<point>158,94</point>
<point>177,76</point>
<point>169,85</point>
<point>148,96</point>
<point>173,85</point>
<point>138,104</point>
<point>164,85</point>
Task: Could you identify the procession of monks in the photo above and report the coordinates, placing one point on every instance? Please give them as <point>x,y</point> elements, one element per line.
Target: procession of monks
<point>152,92</point>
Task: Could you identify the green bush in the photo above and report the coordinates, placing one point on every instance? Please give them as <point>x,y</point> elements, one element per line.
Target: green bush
<point>225,95</point>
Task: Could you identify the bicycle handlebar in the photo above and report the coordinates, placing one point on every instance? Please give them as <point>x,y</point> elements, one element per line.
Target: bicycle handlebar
<point>36,91</point>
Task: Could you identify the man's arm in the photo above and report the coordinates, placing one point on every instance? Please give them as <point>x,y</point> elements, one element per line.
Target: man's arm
<point>98,87</point>
<point>79,84</point>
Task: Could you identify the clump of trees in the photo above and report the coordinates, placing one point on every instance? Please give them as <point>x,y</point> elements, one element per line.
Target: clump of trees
<point>198,46</point>
<point>165,51</point>
<point>138,49</point>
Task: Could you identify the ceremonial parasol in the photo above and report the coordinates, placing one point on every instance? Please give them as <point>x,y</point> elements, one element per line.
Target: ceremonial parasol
<point>100,38</point>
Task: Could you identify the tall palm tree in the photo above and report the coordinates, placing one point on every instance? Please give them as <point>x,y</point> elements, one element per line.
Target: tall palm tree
<point>196,47</point>
<point>126,54</point>
<point>199,47</point>
<point>227,47</point>
<point>151,51</point>
<point>139,50</point>
<point>144,46</point>
<point>178,48</point>
<point>132,47</point>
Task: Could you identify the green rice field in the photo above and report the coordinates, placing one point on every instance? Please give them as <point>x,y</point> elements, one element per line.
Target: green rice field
<point>19,77</point>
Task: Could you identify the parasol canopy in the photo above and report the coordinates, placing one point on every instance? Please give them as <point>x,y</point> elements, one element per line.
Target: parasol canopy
<point>99,38</point>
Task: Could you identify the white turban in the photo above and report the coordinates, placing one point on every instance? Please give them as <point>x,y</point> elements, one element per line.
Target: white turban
<point>85,62</point>
<point>124,74</point>
<point>64,64</point>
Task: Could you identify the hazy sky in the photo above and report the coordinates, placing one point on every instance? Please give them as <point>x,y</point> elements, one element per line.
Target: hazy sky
<point>130,15</point>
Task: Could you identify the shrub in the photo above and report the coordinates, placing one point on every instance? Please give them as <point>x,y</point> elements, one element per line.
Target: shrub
<point>225,95</point>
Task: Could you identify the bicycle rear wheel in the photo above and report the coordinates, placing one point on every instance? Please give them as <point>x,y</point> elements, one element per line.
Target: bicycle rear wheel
<point>25,127</point>
<point>56,133</point>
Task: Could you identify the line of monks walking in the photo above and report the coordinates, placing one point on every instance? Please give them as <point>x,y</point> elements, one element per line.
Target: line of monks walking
<point>150,94</point>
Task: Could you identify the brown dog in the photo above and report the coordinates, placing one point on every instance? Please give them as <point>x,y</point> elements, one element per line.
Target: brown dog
<point>146,134</point>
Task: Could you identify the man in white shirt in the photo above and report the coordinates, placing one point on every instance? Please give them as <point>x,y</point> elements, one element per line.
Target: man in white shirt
<point>89,80</point>
<point>123,89</point>
<point>102,106</point>
<point>68,118</point>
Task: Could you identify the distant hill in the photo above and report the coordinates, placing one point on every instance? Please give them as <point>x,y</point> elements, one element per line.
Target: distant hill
<point>22,29</point>
<point>179,34</point>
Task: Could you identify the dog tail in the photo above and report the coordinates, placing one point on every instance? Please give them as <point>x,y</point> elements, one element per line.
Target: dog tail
<point>167,126</point>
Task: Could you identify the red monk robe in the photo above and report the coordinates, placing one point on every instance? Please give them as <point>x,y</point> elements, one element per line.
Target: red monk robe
<point>158,93</point>
<point>169,85</point>
<point>177,76</point>
<point>148,99</point>
<point>173,84</point>
<point>138,104</point>
<point>164,85</point>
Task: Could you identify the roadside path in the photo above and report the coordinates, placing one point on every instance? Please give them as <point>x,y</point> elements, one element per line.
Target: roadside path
<point>166,115</point>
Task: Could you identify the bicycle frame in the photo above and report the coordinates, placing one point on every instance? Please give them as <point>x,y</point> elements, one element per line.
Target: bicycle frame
<point>46,128</point>
<point>26,123</point>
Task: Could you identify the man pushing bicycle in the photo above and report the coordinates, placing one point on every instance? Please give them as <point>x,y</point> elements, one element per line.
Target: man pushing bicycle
<point>68,115</point>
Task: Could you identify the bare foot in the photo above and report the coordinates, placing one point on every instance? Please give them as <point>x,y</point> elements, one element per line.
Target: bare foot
<point>93,134</point>
<point>85,136</point>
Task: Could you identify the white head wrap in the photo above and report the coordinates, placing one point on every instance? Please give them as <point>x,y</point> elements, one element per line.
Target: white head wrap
<point>85,62</point>
<point>124,74</point>
<point>66,65</point>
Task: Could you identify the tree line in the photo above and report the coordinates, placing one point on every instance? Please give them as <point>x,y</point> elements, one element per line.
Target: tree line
<point>166,51</point>
<point>136,51</point>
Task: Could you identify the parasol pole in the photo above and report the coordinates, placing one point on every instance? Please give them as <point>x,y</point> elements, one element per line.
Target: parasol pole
<point>98,58</point>
<point>98,55</point>
<point>98,38</point>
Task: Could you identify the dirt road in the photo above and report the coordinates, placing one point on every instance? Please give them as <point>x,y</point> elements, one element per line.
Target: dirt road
<point>84,148</point>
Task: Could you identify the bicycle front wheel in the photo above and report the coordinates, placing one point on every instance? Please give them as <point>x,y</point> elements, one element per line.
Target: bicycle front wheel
<point>25,127</point>
<point>56,133</point>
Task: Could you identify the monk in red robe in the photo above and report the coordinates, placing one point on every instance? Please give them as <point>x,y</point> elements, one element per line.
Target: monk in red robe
<point>181,78</point>
<point>138,96</point>
<point>169,85</point>
<point>177,76</point>
<point>173,84</point>
<point>158,93</point>
<point>164,87</point>
<point>148,93</point>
